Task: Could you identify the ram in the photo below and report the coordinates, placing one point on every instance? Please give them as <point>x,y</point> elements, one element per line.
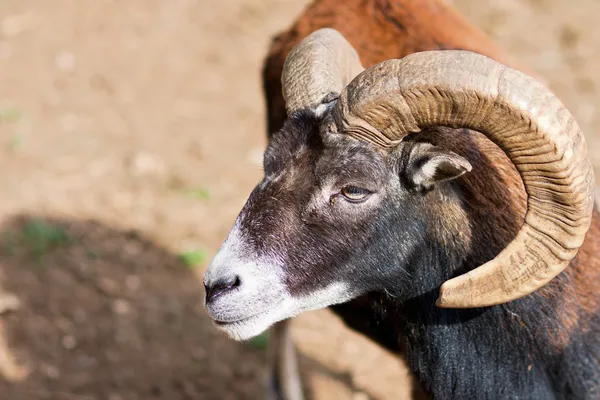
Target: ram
<point>439,201</point>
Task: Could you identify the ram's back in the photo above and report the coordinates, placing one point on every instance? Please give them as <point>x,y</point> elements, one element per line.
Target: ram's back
<point>379,30</point>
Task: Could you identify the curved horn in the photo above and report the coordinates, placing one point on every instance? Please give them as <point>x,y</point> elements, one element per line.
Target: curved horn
<point>460,89</point>
<point>322,63</point>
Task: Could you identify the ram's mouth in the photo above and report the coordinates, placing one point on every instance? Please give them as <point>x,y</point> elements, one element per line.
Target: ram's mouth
<point>252,324</point>
<point>237,321</point>
<point>248,327</point>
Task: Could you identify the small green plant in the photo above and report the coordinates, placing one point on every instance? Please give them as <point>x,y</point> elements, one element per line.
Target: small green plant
<point>9,115</point>
<point>16,142</point>
<point>259,342</point>
<point>193,258</point>
<point>38,237</point>
<point>198,193</point>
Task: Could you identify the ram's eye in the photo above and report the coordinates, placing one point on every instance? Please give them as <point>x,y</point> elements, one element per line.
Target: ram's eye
<point>355,194</point>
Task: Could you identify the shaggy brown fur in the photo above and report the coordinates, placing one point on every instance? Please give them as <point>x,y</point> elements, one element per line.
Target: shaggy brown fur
<point>379,30</point>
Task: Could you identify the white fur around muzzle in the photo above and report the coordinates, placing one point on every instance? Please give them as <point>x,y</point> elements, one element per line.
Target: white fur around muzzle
<point>262,298</point>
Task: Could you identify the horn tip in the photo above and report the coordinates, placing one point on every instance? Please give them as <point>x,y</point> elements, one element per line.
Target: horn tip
<point>440,302</point>
<point>444,299</point>
<point>455,293</point>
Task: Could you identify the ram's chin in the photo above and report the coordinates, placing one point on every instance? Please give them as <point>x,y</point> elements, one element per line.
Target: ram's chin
<point>247,328</point>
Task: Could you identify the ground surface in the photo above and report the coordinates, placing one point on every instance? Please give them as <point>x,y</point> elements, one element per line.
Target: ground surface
<point>131,132</point>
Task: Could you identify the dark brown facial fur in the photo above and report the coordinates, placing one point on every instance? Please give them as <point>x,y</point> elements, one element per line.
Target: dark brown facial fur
<point>298,214</point>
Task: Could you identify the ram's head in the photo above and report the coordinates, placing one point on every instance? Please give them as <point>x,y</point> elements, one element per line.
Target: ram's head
<point>343,205</point>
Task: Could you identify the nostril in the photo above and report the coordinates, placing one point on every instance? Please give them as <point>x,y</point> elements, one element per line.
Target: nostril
<point>214,290</point>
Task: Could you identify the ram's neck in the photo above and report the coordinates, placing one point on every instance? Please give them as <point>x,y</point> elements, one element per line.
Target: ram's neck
<point>532,348</point>
<point>529,348</point>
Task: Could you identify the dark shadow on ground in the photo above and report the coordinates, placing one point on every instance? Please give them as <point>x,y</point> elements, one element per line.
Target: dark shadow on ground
<point>109,315</point>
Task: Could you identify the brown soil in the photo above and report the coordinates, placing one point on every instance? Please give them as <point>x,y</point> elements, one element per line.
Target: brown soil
<point>131,131</point>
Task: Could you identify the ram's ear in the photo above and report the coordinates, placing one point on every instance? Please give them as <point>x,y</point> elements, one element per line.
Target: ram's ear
<point>425,165</point>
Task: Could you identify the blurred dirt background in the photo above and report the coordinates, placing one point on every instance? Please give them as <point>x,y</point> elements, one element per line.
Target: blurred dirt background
<point>131,133</point>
